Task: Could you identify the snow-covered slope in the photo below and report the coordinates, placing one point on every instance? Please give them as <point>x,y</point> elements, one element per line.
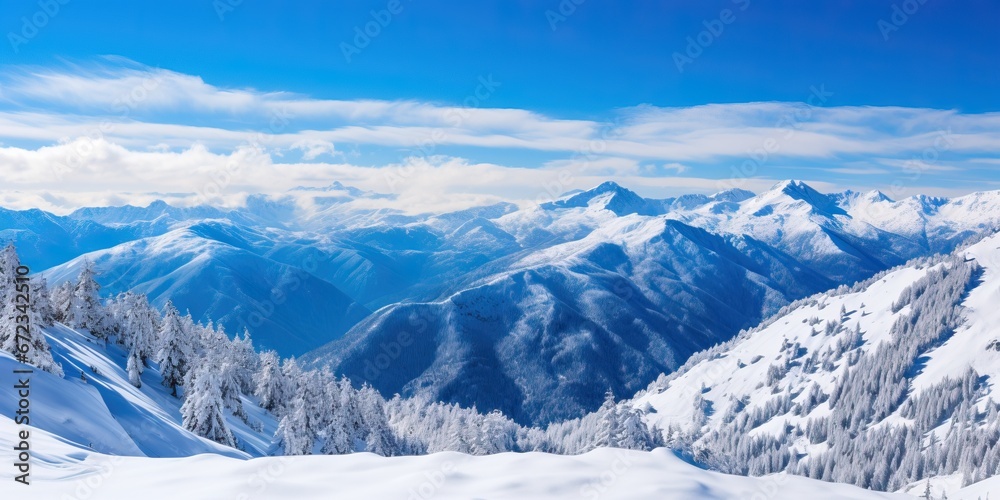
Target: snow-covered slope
<point>94,408</point>
<point>893,353</point>
<point>65,472</point>
<point>287,308</point>
<point>614,309</point>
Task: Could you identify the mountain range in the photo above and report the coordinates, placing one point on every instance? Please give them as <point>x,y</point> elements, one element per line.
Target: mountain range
<point>536,310</point>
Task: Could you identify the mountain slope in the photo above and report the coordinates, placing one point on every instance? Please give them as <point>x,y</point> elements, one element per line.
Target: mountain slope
<point>612,310</point>
<point>287,308</point>
<point>879,368</point>
<point>101,412</point>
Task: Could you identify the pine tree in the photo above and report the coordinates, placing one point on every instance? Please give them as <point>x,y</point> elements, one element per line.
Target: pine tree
<point>272,387</point>
<point>296,434</point>
<point>61,298</point>
<point>202,410</point>
<point>85,310</point>
<point>379,439</point>
<point>246,362</point>
<point>137,324</point>
<point>230,389</point>
<point>175,349</point>
<point>608,430</point>
<point>495,434</point>
<point>14,312</point>
<point>42,303</point>
<point>134,369</point>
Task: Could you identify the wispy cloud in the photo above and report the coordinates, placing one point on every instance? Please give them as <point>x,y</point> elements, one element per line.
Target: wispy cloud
<point>115,126</point>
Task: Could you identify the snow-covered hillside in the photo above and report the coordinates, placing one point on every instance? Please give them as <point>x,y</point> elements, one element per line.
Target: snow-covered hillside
<point>65,471</point>
<point>94,434</point>
<point>205,270</point>
<point>94,407</point>
<point>891,379</point>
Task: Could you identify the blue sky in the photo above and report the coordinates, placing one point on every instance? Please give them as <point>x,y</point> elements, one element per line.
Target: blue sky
<point>665,97</point>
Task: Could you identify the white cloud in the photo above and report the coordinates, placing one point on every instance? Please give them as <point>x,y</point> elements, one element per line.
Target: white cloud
<point>122,131</point>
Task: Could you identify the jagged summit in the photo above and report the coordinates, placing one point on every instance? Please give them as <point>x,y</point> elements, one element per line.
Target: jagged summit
<point>793,192</point>
<point>610,196</point>
<point>735,195</point>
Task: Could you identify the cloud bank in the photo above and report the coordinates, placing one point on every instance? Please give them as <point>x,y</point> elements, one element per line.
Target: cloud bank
<point>118,132</point>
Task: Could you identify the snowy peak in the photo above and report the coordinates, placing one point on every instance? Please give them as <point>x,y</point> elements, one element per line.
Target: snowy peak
<point>792,196</point>
<point>798,190</point>
<point>733,195</point>
<point>609,196</point>
<point>158,210</point>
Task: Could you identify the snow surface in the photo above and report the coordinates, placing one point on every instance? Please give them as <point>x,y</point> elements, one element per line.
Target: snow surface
<point>106,414</point>
<point>739,369</point>
<point>63,471</point>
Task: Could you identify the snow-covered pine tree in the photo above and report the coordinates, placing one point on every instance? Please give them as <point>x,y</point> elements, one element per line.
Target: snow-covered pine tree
<point>134,368</point>
<point>175,349</point>
<point>85,309</point>
<point>336,439</point>
<point>608,430</point>
<point>202,410</point>
<point>634,434</point>
<point>246,362</point>
<point>272,387</point>
<point>15,312</point>
<point>41,302</point>
<point>496,434</point>
<point>338,435</point>
<point>61,298</point>
<point>296,434</point>
<point>137,324</point>
<point>230,388</point>
<point>379,439</point>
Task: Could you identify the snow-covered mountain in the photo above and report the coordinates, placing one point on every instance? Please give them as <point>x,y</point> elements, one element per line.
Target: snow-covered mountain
<point>631,300</point>
<point>877,384</point>
<point>205,270</point>
<point>609,280</point>
<point>596,278</point>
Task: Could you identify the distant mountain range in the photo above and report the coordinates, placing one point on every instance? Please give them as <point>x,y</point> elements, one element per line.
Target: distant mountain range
<point>536,311</point>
